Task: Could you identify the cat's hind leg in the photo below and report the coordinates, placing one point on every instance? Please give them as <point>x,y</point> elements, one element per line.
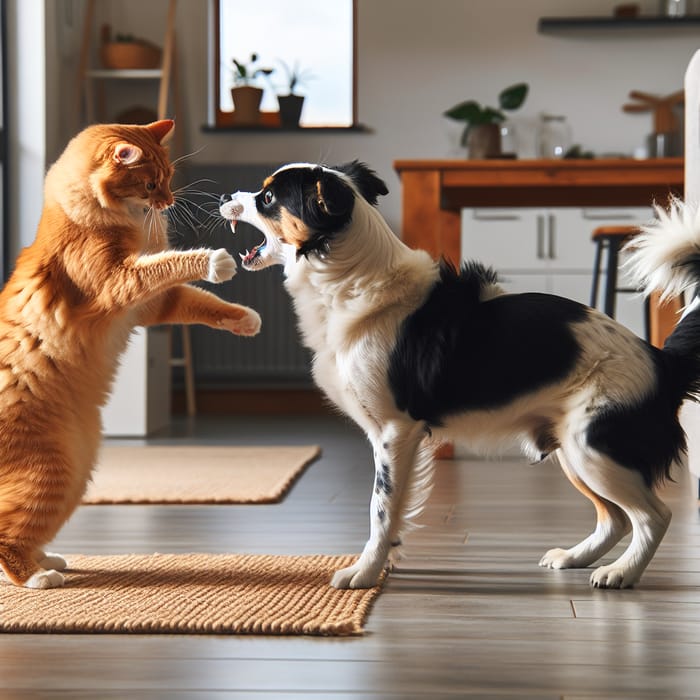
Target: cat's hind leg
<point>22,569</point>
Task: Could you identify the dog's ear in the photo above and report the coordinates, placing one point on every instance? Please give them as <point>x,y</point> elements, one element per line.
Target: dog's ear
<point>366,180</point>
<point>328,207</point>
<point>332,196</point>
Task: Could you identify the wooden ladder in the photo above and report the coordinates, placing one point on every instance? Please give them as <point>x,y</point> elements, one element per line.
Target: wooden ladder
<point>85,100</point>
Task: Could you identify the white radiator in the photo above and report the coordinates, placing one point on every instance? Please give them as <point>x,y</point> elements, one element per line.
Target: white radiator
<point>275,357</point>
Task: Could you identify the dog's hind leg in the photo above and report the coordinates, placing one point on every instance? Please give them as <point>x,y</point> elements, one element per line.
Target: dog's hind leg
<point>611,526</point>
<point>649,515</point>
<point>401,483</point>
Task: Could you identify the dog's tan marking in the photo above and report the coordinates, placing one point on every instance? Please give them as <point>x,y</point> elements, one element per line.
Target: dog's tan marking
<point>291,229</point>
<point>319,197</point>
<point>268,181</point>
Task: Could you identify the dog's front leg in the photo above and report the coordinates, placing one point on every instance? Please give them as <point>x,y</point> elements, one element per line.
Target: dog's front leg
<point>395,451</point>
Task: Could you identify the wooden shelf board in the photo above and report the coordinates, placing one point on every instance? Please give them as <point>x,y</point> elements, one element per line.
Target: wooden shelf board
<point>131,73</point>
<point>551,24</point>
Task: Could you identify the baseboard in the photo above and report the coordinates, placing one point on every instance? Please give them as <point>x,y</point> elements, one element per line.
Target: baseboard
<point>270,402</point>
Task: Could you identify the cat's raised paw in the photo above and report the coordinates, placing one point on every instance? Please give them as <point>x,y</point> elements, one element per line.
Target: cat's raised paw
<point>222,266</point>
<point>248,325</point>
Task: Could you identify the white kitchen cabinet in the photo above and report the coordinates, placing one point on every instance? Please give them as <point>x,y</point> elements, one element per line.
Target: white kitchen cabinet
<point>549,250</point>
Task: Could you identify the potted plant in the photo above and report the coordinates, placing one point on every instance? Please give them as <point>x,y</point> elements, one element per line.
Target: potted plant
<point>245,95</point>
<point>292,103</point>
<point>482,131</point>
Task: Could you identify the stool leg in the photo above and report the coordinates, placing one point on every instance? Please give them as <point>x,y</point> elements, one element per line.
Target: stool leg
<point>596,274</point>
<point>647,319</point>
<point>611,279</point>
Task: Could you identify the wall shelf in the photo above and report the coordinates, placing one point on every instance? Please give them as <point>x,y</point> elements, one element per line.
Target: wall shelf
<point>276,129</point>
<point>661,22</point>
<point>125,73</point>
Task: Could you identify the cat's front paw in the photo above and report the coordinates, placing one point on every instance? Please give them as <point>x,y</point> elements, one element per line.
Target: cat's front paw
<point>248,325</point>
<point>222,266</point>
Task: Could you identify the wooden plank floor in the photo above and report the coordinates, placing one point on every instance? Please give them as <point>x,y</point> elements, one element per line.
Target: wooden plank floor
<point>467,614</point>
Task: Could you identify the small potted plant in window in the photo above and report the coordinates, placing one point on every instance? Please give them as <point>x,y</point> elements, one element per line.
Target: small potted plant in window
<point>292,103</point>
<point>245,94</point>
<point>482,132</point>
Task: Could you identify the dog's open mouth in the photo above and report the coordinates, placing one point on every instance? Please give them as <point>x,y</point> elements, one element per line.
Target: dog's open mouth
<point>250,256</point>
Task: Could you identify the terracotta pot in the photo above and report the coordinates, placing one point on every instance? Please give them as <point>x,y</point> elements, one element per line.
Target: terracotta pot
<point>290,109</point>
<point>484,141</point>
<point>130,54</point>
<point>246,105</point>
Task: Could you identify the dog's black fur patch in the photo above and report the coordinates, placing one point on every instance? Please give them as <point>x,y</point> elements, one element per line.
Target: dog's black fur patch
<point>368,183</point>
<point>456,353</point>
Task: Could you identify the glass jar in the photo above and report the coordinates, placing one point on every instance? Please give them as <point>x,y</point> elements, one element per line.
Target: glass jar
<point>554,136</point>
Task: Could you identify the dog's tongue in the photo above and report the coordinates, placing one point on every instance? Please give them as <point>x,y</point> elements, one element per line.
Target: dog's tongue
<point>250,256</point>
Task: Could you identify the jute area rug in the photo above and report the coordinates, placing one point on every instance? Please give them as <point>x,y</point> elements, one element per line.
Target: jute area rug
<point>196,474</point>
<point>191,594</point>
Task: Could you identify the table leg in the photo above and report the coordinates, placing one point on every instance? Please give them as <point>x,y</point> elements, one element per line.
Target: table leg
<point>425,224</point>
<point>663,317</point>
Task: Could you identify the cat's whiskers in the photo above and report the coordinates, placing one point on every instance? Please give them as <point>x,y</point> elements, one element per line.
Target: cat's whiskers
<point>186,156</point>
<point>201,217</point>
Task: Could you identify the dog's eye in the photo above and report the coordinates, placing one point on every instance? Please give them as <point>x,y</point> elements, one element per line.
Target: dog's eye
<point>268,198</point>
<point>150,186</point>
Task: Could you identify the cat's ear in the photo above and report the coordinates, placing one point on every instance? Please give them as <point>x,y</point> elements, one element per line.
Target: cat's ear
<point>161,129</point>
<point>127,153</point>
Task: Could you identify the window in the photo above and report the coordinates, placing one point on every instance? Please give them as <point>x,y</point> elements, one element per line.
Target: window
<point>314,38</point>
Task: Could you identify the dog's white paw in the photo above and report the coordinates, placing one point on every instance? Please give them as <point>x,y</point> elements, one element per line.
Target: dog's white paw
<point>558,559</point>
<point>45,579</point>
<point>355,576</point>
<point>222,266</point>
<point>612,576</point>
<point>248,325</point>
<point>51,560</point>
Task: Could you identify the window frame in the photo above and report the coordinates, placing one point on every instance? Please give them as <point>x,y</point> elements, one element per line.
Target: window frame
<point>220,120</point>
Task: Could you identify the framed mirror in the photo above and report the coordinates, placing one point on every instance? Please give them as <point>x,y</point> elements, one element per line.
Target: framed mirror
<point>305,48</point>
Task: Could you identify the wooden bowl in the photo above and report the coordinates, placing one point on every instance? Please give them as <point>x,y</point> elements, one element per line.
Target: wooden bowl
<point>130,54</point>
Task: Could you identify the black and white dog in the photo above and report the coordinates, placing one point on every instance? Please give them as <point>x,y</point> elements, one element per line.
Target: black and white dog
<point>408,347</point>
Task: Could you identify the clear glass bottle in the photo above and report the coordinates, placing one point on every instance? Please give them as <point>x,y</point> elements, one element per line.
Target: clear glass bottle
<point>554,136</point>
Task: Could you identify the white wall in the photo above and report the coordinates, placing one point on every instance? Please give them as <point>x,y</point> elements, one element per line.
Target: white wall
<point>26,119</point>
<point>419,57</point>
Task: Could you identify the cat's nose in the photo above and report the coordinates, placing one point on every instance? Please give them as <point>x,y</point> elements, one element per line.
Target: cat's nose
<point>225,198</point>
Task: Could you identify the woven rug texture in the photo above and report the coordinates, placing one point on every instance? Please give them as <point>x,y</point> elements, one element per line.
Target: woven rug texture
<point>196,473</point>
<point>191,594</point>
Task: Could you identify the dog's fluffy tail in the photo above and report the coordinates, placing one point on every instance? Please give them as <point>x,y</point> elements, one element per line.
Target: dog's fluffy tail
<point>665,257</point>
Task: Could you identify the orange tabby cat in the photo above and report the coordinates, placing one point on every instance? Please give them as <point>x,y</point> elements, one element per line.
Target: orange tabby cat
<point>98,267</point>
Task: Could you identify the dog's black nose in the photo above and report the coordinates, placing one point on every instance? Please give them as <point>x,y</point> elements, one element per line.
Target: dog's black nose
<point>225,198</point>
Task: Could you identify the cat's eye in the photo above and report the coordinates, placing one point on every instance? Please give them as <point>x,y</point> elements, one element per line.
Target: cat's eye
<point>268,197</point>
<point>150,186</point>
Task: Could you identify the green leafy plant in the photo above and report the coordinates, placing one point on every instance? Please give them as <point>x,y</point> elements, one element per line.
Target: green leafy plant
<point>245,73</point>
<point>474,114</point>
<point>295,76</point>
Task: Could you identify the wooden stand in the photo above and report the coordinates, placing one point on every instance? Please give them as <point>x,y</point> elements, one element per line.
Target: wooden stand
<point>90,100</point>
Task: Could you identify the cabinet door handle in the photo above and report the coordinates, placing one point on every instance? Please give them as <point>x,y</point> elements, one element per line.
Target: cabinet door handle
<point>479,216</point>
<point>540,237</point>
<point>606,216</point>
<point>551,251</point>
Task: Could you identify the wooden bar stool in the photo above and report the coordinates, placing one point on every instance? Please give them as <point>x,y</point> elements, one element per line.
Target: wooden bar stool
<point>611,239</point>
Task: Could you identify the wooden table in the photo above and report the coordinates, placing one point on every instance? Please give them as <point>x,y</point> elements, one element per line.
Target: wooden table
<point>434,191</point>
